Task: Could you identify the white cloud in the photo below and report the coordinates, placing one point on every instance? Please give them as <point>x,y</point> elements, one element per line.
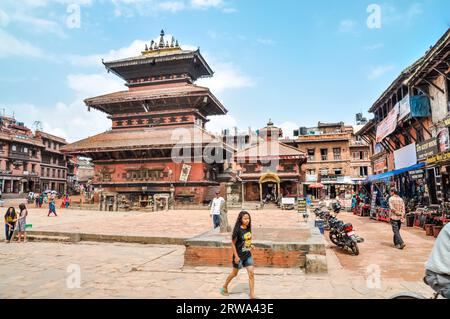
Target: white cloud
<point>219,123</point>
<point>265,41</point>
<point>347,25</point>
<point>172,6</point>
<point>12,46</point>
<point>37,25</point>
<point>132,50</point>
<point>379,71</point>
<point>207,3</point>
<point>405,16</point>
<point>227,76</point>
<point>89,85</point>
<point>4,18</point>
<point>72,121</point>
<point>288,129</point>
<point>373,47</point>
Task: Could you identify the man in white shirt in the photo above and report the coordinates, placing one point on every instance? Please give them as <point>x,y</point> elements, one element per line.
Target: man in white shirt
<point>215,209</point>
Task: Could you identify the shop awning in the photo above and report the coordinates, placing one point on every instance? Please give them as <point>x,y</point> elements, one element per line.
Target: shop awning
<point>396,172</point>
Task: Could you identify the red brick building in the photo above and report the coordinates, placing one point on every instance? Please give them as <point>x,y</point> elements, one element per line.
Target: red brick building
<point>158,146</point>
<point>30,162</point>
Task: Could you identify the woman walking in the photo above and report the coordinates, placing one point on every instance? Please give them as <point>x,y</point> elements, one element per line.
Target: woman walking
<point>241,244</point>
<point>67,201</point>
<point>22,222</point>
<point>10,223</point>
<point>52,208</point>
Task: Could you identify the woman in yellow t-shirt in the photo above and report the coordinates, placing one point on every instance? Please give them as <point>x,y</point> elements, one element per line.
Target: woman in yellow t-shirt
<point>10,223</point>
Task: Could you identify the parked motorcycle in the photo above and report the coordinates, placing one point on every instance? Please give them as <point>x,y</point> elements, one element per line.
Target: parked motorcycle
<point>343,236</point>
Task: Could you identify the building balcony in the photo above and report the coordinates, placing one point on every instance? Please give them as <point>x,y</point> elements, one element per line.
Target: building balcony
<point>20,155</point>
<point>324,137</point>
<point>358,144</point>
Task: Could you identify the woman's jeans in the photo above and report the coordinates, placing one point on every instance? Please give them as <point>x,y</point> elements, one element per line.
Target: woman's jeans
<point>9,231</point>
<point>396,225</point>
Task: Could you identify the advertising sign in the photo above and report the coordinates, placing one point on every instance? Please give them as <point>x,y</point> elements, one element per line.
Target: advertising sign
<point>443,140</point>
<point>427,148</point>
<point>185,173</point>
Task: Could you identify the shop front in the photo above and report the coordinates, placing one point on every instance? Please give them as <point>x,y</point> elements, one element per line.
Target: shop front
<point>409,181</point>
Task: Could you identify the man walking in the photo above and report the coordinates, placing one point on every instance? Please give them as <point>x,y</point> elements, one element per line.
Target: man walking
<point>397,216</point>
<point>216,205</point>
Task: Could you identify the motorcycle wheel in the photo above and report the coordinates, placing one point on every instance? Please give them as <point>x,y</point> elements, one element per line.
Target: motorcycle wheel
<point>360,240</point>
<point>354,248</point>
<point>334,239</point>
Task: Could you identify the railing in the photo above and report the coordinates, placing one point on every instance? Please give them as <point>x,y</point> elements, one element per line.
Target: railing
<point>19,155</point>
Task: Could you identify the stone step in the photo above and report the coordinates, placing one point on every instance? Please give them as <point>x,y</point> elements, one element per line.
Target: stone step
<point>33,237</point>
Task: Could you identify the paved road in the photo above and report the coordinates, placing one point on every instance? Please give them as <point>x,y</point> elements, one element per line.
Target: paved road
<point>49,270</point>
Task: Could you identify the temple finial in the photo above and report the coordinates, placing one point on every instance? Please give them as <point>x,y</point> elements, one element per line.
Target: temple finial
<point>161,40</point>
<point>270,123</point>
<point>167,44</point>
<point>152,44</point>
<point>146,47</point>
<point>172,43</point>
<point>176,44</point>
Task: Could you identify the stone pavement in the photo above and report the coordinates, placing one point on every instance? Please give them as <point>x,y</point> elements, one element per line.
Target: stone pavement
<point>176,224</point>
<point>377,249</point>
<point>43,270</point>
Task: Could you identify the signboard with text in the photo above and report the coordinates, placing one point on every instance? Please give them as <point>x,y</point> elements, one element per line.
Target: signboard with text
<point>427,149</point>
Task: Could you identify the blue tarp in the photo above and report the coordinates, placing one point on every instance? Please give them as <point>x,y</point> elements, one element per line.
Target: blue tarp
<point>396,172</point>
<point>420,106</point>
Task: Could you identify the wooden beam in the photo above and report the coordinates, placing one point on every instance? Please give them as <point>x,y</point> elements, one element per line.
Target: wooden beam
<point>424,128</point>
<point>437,87</point>
<point>442,73</point>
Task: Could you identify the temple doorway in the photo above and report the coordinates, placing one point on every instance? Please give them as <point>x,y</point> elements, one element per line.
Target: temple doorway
<point>269,188</point>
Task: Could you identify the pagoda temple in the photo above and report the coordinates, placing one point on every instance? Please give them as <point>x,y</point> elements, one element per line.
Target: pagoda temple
<point>270,169</point>
<point>158,148</point>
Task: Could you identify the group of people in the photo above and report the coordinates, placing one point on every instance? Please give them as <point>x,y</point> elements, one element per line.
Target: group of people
<point>50,198</point>
<point>13,220</point>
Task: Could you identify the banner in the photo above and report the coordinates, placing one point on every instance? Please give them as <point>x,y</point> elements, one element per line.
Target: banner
<point>388,125</point>
<point>185,173</point>
<point>404,108</point>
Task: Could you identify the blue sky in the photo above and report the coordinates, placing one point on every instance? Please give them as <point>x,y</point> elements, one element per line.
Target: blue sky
<point>296,62</point>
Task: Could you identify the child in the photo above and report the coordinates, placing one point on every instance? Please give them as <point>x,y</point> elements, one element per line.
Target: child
<point>51,208</point>
<point>10,223</point>
<point>67,201</point>
<point>22,222</point>
<point>242,256</point>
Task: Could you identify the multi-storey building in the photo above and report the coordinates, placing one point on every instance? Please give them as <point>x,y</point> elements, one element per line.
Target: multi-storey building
<point>30,162</point>
<point>336,158</point>
<point>20,157</point>
<point>410,128</point>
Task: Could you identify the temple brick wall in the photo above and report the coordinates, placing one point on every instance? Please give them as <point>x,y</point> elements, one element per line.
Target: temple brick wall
<point>221,256</point>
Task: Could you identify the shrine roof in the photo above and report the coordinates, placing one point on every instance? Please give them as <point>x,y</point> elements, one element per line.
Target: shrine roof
<point>106,102</point>
<point>133,139</point>
<point>161,62</point>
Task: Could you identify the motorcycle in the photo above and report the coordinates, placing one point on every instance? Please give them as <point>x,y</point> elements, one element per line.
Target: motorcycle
<point>343,236</point>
